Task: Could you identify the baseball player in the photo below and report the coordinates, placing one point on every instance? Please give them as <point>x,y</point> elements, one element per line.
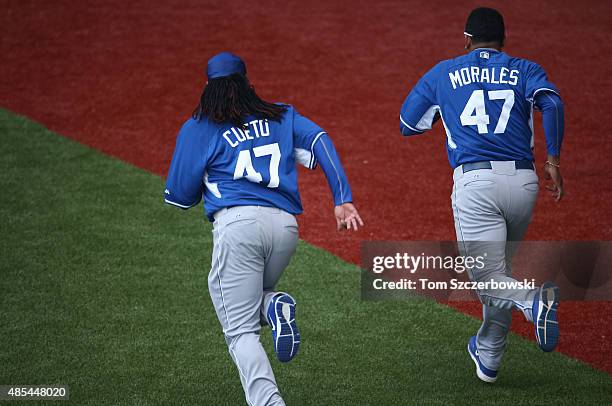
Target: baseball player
<point>486,99</point>
<point>239,153</point>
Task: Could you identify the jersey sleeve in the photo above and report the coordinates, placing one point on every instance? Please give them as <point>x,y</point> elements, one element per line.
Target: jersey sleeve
<point>418,113</point>
<point>305,134</point>
<point>184,185</point>
<point>326,154</point>
<point>537,81</point>
<point>553,120</point>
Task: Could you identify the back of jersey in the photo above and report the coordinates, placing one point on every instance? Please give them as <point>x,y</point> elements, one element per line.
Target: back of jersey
<point>485,99</point>
<point>250,165</point>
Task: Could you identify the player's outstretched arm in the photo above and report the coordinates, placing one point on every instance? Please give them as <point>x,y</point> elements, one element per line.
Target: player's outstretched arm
<point>347,216</point>
<point>553,121</point>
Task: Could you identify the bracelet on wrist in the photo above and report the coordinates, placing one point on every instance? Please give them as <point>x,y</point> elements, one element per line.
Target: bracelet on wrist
<point>551,164</point>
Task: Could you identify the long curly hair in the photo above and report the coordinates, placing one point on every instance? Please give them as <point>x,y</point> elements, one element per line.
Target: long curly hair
<point>231,99</point>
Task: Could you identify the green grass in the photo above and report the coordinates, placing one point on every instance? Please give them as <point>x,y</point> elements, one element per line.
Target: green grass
<point>103,288</point>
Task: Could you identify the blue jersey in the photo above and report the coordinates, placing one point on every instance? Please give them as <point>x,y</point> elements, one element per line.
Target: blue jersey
<point>485,99</point>
<point>233,166</point>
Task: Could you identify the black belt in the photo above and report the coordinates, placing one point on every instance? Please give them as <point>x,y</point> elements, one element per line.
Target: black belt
<point>472,166</point>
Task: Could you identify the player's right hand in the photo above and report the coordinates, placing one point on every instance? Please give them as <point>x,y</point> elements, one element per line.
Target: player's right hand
<point>553,173</point>
<point>347,217</point>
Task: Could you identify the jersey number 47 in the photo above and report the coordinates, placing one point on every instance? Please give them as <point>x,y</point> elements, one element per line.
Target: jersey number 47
<point>245,169</point>
<point>475,113</point>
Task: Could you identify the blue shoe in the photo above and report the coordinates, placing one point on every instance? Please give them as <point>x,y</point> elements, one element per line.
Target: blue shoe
<point>484,373</point>
<point>285,333</point>
<point>544,312</point>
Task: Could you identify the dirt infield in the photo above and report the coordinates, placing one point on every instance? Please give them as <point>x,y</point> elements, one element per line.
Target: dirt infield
<point>122,77</point>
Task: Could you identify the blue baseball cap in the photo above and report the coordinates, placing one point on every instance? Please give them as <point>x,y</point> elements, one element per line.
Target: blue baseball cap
<point>225,64</point>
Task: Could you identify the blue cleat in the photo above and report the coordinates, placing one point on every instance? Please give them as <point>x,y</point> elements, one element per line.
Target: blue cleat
<point>484,373</point>
<point>544,311</point>
<point>285,333</point>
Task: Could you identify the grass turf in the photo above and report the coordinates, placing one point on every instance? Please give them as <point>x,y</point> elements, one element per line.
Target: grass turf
<point>103,288</point>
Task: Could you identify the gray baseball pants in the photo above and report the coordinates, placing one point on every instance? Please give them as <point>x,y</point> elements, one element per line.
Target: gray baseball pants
<point>252,247</point>
<point>492,208</point>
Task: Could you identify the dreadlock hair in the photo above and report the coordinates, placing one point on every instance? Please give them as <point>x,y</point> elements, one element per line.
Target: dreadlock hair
<point>230,99</point>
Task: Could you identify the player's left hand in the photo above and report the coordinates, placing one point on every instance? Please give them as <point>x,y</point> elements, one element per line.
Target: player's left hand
<point>552,173</point>
<point>347,217</point>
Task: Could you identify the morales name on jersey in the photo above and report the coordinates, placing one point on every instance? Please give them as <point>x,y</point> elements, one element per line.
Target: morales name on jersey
<point>475,74</point>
